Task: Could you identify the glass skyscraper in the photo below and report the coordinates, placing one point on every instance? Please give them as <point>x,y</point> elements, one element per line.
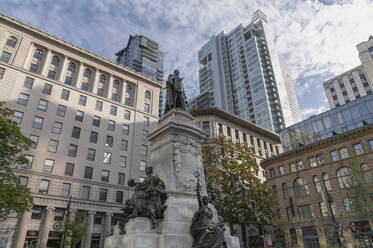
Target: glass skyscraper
<point>242,75</point>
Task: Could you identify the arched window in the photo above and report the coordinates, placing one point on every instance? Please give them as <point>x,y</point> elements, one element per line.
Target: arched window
<point>301,187</point>
<point>147,94</point>
<point>327,183</point>
<point>102,79</point>
<point>71,67</point>
<point>285,191</point>
<point>275,192</point>
<point>12,41</point>
<point>38,54</point>
<point>87,73</point>
<point>55,60</point>
<point>293,237</point>
<point>129,89</point>
<point>366,173</point>
<point>317,182</point>
<point>344,177</point>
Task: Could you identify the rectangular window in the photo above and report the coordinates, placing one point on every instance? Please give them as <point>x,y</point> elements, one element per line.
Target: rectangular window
<point>93,137</point>
<point>114,97</point>
<point>33,68</point>
<point>144,134</point>
<point>84,86</point>
<point>43,105</point>
<point>69,169</point>
<point>23,180</point>
<point>65,189</point>
<point>38,122</point>
<point>73,149</point>
<point>82,100</point>
<point>30,159</point>
<point>125,129</point>
<point>323,209</point>
<point>111,125</point>
<point>48,165</point>
<point>124,145</point>
<point>97,220</point>
<point>146,108</point>
<point>88,171</point>
<point>343,152</point>
<point>96,121</point>
<point>44,186</point>
<point>65,94</point>
<point>68,81</point>
<point>23,99</point>
<point>358,149</point>
<point>61,110</point>
<point>53,145</point>
<point>127,114</point>
<point>305,212</point>
<point>146,121</point>
<point>119,197</point>
<point>281,170</point>
<point>347,204</point>
<point>57,127</point>
<point>47,89</point>
<point>127,101</point>
<point>5,57</point>
<point>109,141</point>
<point>293,167</point>
<point>121,177</point>
<point>334,155</point>
<point>17,117</point>
<point>107,158</point>
<point>36,213</point>
<point>102,195</point>
<point>143,165</point>
<point>79,115</point>
<point>289,214</point>
<point>29,83</point>
<point>100,92</point>
<point>122,161</point>
<point>272,173</point>
<point>229,132</point>
<point>59,214</point>
<point>299,165</point>
<point>35,140</point>
<point>113,110</point>
<point>91,154</point>
<point>76,132</point>
<point>2,72</point>
<point>86,191</point>
<point>144,150</point>
<point>99,105</point>
<point>51,74</point>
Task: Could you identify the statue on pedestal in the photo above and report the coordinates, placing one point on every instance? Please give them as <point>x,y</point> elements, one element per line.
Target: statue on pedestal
<point>206,233</point>
<point>175,95</point>
<point>148,200</point>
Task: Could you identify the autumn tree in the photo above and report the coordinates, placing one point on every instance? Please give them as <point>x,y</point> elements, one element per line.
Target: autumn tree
<point>14,197</point>
<point>232,179</point>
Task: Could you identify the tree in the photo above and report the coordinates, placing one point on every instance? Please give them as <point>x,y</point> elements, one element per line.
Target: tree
<point>74,231</point>
<point>362,203</point>
<point>231,173</point>
<point>14,197</point>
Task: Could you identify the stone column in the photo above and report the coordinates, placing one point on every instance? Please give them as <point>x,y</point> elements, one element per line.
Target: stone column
<point>45,63</point>
<point>78,74</point>
<point>88,237</point>
<point>26,63</point>
<point>22,231</point>
<point>94,82</point>
<point>62,70</point>
<point>109,87</point>
<point>108,223</point>
<point>46,225</point>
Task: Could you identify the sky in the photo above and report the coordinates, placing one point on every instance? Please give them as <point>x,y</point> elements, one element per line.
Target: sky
<point>316,39</point>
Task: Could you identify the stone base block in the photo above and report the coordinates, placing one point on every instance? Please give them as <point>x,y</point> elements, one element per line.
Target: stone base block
<point>232,242</point>
<point>175,241</point>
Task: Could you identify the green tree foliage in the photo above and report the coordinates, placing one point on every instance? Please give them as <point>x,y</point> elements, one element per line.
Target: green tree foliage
<point>13,196</point>
<point>362,203</point>
<point>231,173</point>
<point>74,231</point>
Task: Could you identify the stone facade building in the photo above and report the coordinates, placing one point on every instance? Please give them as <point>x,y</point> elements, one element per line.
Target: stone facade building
<point>89,118</point>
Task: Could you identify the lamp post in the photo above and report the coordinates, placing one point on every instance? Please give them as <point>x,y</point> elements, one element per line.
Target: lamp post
<point>330,200</point>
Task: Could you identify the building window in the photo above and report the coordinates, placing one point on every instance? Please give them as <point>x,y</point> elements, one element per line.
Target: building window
<point>146,108</point>
<point>129,89</point>
<point>38,54</point>
<point>323,209</point>
<point>111,125</point>
<point>127,101</point>
<point>61,110</point>
<point>98,105</point>
<point>79,115</point>
<point>44,186</point>
<point>317,183</point>
<point>127,116</point>
<point>96,121</point>
<point>86,191</point>
<point>229,132</point>
<point>347,204</point>
<point>91,154</point>
<point>65,189</point>
<point>47,89</point>
<point>43,105</point>
<point>48,165</point>
<point>5,57</point>
<point>105,176</point>
<point>84,86</point>
<point>124,145</point>
<point>55,61</point>
<point>366,173</point>
<point>358,149</point>
<point>281,170</point>
<point>301,187</point>
<point>125,129</point>
<point>88,171</point>
<point>293,167</point>
<point>23,180</point>
<point>87,73</point>
<point>121,177</point>
<point>33,68</point>
<point>36,213</point>
<point>272,173</point>
<point>30,159</point>
<point>275,192</point>
<point>113,110</point>
<point>107,158</point>
<point>53,145</point>
<point>65,94</point>
<point>327,183</point>
<point>114,97</point>
<point>68,80</point>
<point>334,155</point>
<point>144,150</point>
<point>23,99</point>
<point>143,165</point>
<point>82,100</point>
<point>343,153</point>
<point>102,195</point>
<point>146,121</point>
<point>2,71</point>
<point>11,41</point>
<point>38,122</point>
<point>285,191</point>
<point>73,149</point>
<point>69,169</point>
<point>116,84</point>
<point>98,218</point>
<point>71,67</point>
<point>147,94</point>
<point>305,212</point>
<point>51,74</point>
<point>17,117</point>
<point>109,141</point>
<point>29,83</point>
<point>93,137</point>
<point>144,134</point>
<point>100,92</point>
<point>59,214</point>
<point>119,197</point>
<point>299,165</point>
<point>76,132</point>
<point>35,140</point>
<point>344,177</point>
<point>57,127</point>
<point>289,213</point>
<point>316,160</point>
<point>122,161</point>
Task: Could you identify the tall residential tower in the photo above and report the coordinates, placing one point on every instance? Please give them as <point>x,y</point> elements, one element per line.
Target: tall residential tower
<point>243,76</point>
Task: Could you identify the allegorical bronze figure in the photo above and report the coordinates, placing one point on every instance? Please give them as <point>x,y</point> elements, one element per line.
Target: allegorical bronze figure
<point>206,233</point>
<point>148,200</point>
<point>175,95</point>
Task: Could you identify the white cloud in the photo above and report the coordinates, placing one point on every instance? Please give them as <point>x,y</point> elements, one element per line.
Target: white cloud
<point>307,112</point>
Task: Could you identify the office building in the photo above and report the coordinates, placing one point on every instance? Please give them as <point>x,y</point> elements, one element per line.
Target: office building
<point>89,119</point>
<point>354,83</point>
<point>311,179</point>
<point>143,55</point>
<point>242,75</point>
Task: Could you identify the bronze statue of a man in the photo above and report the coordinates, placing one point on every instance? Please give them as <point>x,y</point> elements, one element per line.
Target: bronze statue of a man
<point>175,95</point>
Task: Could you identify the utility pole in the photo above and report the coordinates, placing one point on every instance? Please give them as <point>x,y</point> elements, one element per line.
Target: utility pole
<point>330,201</point>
